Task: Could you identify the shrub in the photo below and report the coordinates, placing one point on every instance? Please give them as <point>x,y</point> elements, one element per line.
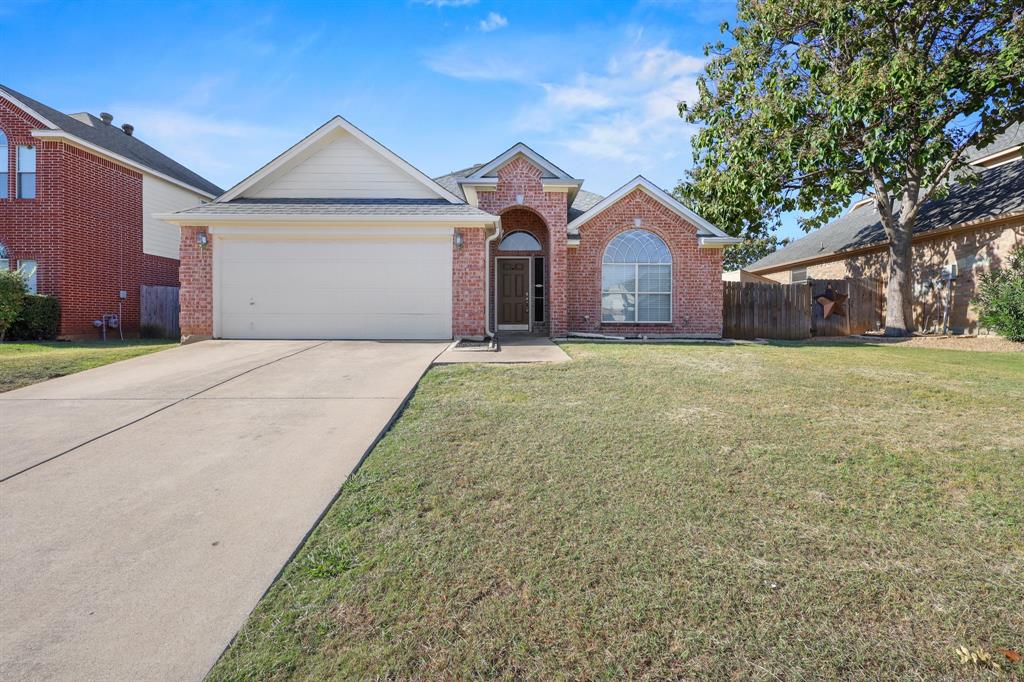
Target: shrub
<point>39,319</point>
<point>12,298</point>
<point>1000,297</point>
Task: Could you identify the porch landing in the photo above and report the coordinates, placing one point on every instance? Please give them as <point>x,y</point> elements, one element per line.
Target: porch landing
<point>512,350</point>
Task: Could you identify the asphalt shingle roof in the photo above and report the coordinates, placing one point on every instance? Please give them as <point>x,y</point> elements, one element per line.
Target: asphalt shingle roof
<point>999,191</point>
<point>113,139</point>
<point>583,202</point>
<point>340,207</point>
<point>1011,137</point>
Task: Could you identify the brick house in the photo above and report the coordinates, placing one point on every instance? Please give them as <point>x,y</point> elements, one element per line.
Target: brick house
<point>77,196</point>
<point>338,237</point>
<point>970,230</point>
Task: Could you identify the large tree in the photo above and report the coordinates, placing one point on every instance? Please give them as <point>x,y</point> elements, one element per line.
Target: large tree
<point>811,103</point>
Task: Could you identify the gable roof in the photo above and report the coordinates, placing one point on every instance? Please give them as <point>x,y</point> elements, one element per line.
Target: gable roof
<point>490,169</point>
<point>999,192</point>
<point>581,203</point>
<point>111,139</point>
<point>334,124</point>
<point>704,228</point>
<point>1010,138</point>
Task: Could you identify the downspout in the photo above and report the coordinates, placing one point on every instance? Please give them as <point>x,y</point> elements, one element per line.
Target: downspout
<point>487,279</point>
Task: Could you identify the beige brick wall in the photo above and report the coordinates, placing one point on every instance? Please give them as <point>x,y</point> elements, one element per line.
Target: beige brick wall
<point>973,251</point>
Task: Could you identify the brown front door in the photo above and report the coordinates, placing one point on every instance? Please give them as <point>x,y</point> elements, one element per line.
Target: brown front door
<point>514,293</point>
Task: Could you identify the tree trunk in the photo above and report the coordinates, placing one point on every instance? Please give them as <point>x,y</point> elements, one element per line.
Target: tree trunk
<point>899,311</point>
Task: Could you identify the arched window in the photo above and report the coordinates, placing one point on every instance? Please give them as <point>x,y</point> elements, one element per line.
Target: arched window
<point>519,241</point>
<point>636,279</point>
<point>4,163</point>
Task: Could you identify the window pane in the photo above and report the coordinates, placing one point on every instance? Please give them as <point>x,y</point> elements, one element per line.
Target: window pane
<point>618,278</point>
<point>26,185</point>
<point>26,159</point>
<point>618,308</point>
<point>519,241</point>
<point>29,270</point>
<point>656,278</point>
<point>654,308</point>
<point>3,185</point>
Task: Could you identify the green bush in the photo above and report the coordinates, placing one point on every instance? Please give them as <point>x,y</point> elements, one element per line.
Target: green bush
<point>12,297</point>
<point>1000,298</point>
<point>39,319</point>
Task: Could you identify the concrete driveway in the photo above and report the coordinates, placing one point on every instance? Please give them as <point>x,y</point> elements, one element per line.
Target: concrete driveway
<point>146,506</point>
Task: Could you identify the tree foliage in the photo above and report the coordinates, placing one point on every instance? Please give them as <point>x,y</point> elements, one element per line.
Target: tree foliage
<point>815,102</point>
<point>1000,298</point>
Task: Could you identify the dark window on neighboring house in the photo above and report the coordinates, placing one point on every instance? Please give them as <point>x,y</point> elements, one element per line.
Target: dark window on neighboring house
<point>4,163</point>
<point>798,275</point>
<point>5,259</point>
<point>26,172</point>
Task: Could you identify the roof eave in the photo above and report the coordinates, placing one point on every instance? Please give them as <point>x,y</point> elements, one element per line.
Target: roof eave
<point>198,218</point>
<point>59,134</point>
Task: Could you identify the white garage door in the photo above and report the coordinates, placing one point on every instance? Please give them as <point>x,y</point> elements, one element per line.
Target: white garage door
<point>362,288</point>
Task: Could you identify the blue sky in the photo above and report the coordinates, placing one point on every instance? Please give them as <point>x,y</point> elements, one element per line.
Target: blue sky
<point>224,87</point>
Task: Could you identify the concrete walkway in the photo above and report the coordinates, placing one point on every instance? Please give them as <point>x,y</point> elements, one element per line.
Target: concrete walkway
<point>147,505</point>
<point>513,349</point>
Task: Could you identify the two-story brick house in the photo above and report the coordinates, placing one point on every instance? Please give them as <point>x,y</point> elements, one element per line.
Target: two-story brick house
<point>77,198</point>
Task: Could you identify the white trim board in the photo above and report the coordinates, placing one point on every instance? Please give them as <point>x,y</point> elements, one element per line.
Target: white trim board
<point>518,148</point>
<point>655,192</point>
<point>319,134</point>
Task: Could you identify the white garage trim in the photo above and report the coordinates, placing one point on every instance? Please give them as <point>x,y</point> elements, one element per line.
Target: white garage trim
<point>404,298</point>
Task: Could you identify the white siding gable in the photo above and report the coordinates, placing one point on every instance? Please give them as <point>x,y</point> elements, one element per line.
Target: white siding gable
<point>159,196</point>
<point>340,167</point>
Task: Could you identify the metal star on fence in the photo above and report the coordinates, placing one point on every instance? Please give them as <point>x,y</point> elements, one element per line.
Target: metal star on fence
<point>833,306</point>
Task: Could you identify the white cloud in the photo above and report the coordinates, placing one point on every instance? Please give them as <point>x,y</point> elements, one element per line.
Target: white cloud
<point>627,112</point>
<point>221,150</point>
<point>447,3</point>
<point>493,22</point>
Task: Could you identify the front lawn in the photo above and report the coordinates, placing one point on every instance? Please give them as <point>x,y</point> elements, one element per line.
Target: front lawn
<point>671,511</point>
<point>22,364</point>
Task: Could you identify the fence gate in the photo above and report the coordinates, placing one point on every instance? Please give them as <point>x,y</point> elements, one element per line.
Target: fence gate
<point>769,311</point>
<point>159,314</point>
<point>860,310</point>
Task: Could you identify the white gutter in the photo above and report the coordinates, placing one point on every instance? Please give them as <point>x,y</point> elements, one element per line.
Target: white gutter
<point>487,280</point>
<point>197,218</point>
<point>717,242</point>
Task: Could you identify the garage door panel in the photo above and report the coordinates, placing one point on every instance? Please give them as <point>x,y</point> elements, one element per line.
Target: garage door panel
<point>352,301</point>
<point>339,326</point>
<point>337,274</point>
<point>346,288</point>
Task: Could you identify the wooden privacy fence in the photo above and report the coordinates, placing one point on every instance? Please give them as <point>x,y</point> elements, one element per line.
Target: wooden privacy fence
<point>791,311</point>
<point>863,306</point>
<point>766,311</point>
<point>159,314</point>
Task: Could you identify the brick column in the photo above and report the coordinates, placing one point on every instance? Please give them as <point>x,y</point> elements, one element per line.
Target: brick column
<point>196,293</point>
<point>468,285</point>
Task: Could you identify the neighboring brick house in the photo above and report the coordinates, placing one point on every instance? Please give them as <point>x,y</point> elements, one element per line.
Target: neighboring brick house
<point>971,229</point>
<point>77,198</point>
<point>338,237</point>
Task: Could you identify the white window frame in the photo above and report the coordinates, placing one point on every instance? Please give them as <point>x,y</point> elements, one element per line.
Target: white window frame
<point>636,287</point>
<point>540,247</point>
<point>34,172</point>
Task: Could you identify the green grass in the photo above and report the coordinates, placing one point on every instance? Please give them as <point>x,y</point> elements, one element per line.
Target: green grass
<point>22,364</point>
<point>671,511</point>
